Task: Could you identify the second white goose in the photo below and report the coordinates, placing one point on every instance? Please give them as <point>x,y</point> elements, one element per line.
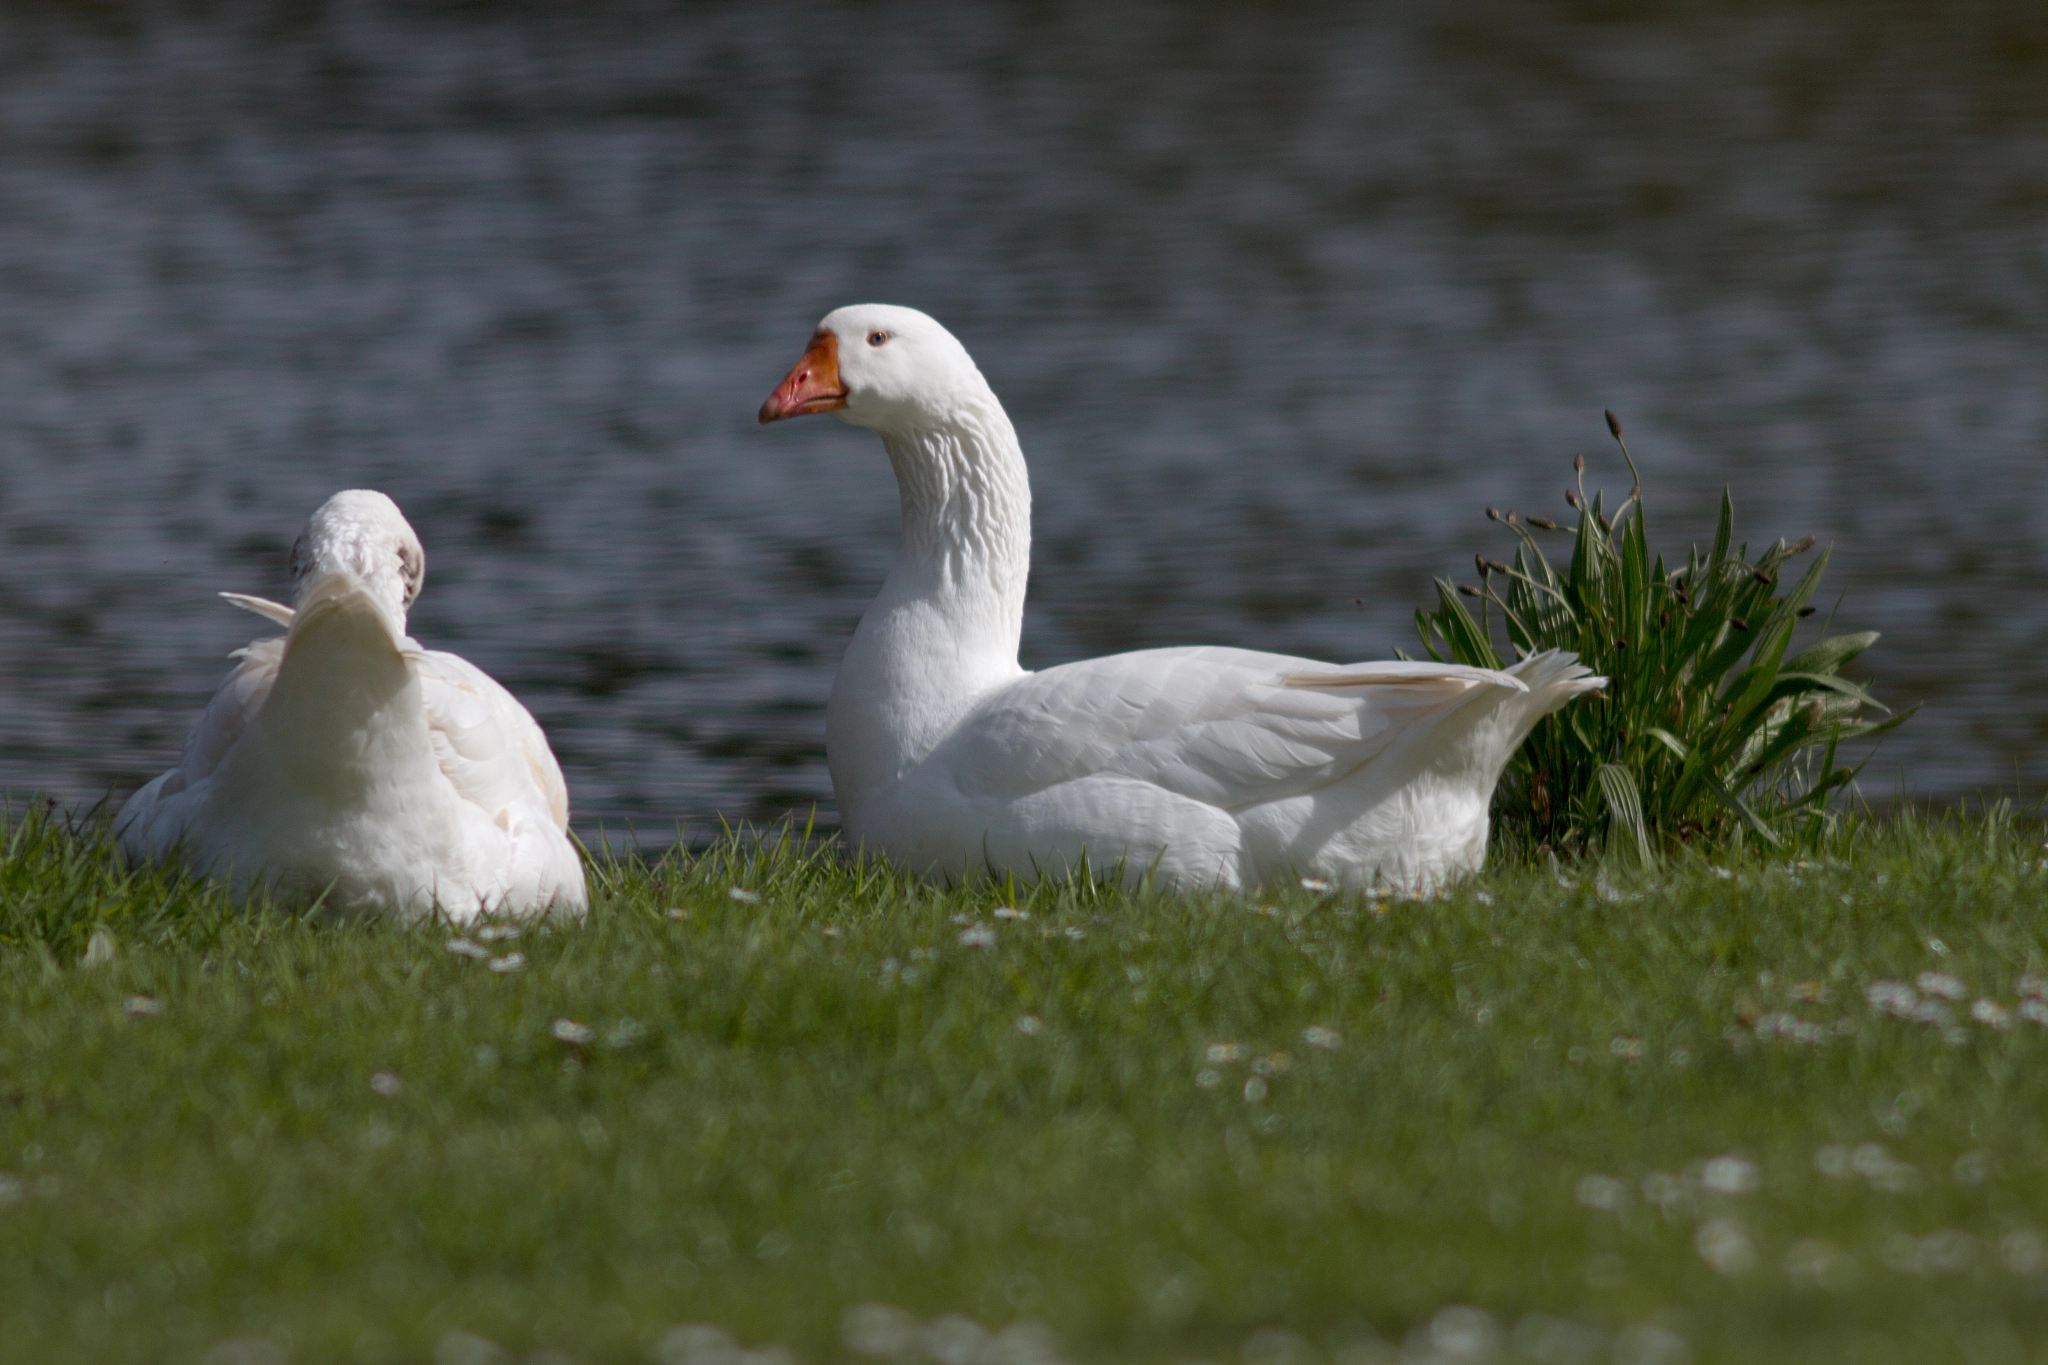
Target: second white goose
<point>342,760</point>
<point>1200,767</point>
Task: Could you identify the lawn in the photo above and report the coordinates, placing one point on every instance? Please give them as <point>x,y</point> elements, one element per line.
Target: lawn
<point>1643,1115</point>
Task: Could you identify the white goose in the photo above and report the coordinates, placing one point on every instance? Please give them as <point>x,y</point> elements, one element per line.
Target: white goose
<point>1202,767</point>
<point>341,758</point>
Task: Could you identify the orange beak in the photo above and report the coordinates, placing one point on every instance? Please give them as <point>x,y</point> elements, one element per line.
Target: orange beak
<point>813,386</point>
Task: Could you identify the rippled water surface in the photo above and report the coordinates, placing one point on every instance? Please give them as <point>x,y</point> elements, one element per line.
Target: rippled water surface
<point>1279,301</point>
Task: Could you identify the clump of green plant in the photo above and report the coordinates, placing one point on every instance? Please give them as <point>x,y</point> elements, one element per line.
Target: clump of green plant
<point>1705,730</point>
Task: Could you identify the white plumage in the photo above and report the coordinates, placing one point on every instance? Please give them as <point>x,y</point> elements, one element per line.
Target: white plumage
<point>1202,767</point>
<point>342,759</point>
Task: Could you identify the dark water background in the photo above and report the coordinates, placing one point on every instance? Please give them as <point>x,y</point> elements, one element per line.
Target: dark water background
<point>1279,296</point>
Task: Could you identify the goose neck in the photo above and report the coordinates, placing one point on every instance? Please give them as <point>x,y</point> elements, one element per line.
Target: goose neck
<point>966,547</point>
<point>945,627</point>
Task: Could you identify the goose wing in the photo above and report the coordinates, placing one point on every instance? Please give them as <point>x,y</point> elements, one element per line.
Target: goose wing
<point>154,818</point>
<point>1228,727</point>
<point>489,746</point>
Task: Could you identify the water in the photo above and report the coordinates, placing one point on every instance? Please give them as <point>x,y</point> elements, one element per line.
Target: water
<point>1278,300</point>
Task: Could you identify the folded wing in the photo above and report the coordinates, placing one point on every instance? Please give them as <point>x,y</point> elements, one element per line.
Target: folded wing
<point>489,746</point>
<point>1231,728</point>
<point>154,818</point>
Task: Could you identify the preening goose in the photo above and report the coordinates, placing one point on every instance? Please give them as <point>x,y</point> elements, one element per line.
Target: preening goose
<point>1202,767</point>
<point>341,758</point>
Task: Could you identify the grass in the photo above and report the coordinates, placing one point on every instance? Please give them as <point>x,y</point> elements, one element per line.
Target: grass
<point>1287,1129</point>
<point>1706,729</point>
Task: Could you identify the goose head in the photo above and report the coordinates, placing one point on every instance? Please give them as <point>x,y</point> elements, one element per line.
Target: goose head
<point>361,532</point>
<point>880,366</point>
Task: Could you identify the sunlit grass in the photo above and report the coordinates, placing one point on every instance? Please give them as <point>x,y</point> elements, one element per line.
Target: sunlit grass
<point>1589,1114</point>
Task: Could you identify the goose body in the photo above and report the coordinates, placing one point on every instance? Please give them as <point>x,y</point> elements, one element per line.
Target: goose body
<point>341,759</point>
<point>1201,767</point>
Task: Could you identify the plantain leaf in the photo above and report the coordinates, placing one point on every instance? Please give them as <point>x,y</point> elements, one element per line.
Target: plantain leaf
<point>1741,810</point>
<point>1426,628</point>
<point>1891,722</point>
<point>1625,806</point>
<point>1723,534</point>
<point>1792,684</point>
<point>1468,643</point>
<point>1828,656</point>
<point>1667,739</point>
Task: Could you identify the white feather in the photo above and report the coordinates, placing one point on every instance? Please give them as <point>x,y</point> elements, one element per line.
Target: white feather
<point>262,606</point>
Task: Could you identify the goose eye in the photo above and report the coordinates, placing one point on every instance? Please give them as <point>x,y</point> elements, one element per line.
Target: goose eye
<point>876,338</point>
